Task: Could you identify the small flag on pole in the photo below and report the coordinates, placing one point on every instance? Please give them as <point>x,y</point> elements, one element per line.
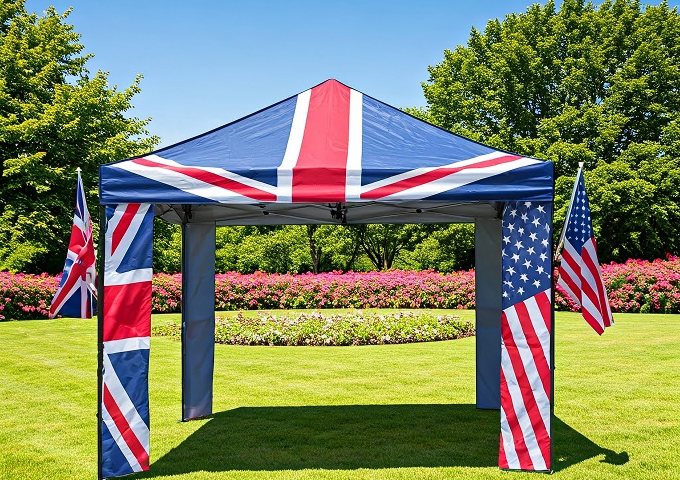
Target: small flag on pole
<point>579,273</point>
<point>76,295</point>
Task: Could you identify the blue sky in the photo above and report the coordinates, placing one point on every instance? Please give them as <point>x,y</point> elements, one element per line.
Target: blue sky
<point>208,62</point>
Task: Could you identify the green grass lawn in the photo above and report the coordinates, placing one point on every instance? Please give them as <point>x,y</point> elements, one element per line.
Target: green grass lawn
<point>375,412</point>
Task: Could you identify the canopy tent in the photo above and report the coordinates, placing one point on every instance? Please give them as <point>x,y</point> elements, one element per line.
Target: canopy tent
<point>327,155</point>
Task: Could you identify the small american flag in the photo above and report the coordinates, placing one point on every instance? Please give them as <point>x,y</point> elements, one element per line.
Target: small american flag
<point>579,273</point>
<point>76,295</point>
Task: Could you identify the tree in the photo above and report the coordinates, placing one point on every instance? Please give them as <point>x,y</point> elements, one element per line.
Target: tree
<point>54,117</point>
<point>277,249</point>
<point>338,248</point>
<point>167,247</point>
<point>580,84</point>
<point>315,250</point>
<point>383,242</point>
<point>637,213</point>
<point>447,248</point>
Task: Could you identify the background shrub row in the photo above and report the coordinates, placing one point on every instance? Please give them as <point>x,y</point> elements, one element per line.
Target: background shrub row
<point>388,289</point>
<point>633,286</point>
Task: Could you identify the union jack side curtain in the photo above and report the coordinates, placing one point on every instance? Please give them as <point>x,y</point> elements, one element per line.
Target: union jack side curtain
<point>126,334</point>
<point>76,295</point>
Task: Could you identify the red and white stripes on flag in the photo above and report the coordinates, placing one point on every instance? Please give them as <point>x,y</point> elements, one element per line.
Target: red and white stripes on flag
<point>526,324</point>
<point>526,385</point>
<point>579,273</point>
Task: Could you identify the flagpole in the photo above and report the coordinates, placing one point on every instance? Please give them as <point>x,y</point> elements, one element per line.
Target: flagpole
<point>560,243</point>
<point>552,344</point>
<point>100,337</point>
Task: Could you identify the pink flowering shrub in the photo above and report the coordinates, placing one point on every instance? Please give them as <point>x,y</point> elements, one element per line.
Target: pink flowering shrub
<point>391,289</point>
<point>166,293</point>
<point>24,296</point>
<point>634,286</point>
<point>644,286</point>
<point>637,286</point>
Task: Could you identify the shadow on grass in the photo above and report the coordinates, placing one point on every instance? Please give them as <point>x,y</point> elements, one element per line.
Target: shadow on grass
<point>356,436</point>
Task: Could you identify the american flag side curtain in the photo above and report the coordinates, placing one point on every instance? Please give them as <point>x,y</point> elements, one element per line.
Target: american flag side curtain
<point>579,273</point>
<point>76,295</point>
<point>126,331</point>
<point>526,325</point>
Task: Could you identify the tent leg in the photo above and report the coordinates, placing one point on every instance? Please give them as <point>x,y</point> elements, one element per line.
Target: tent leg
<point>100,335</point>
<point>488,291</point>
<point>198,319</point>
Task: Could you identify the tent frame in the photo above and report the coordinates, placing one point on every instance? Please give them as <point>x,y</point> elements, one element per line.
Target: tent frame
<point>329,155</point>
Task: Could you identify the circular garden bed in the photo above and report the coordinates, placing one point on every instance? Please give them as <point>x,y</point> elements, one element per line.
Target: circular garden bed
<point>314,328</point>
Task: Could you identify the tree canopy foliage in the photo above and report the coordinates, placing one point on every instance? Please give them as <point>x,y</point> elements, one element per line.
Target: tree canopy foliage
<point>582,83</point>
<point>326,248</point>
<point>598,84</point>
<point>54,117</point>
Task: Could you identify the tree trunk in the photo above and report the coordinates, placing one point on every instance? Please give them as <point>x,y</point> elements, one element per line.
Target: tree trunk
<point>314,250</point>
<point>355,253</point>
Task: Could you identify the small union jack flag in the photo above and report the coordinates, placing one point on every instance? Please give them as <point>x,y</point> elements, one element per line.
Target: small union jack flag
<point>76,295</point>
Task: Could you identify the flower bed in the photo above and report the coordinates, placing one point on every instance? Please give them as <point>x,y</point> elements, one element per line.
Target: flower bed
<point>634,286</point>
<point>354,328</point>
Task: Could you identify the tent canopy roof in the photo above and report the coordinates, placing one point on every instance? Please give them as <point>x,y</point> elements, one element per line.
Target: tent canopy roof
<point>327,155</point>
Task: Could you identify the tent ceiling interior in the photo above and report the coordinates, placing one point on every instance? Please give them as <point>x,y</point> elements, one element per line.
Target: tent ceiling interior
<point>329,213</point>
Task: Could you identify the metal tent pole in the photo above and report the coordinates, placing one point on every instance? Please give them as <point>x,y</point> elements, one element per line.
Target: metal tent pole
<point>100,334</point>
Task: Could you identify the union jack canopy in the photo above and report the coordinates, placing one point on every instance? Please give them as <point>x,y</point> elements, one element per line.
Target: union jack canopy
<point>329,144</point>
<point>327,155</point>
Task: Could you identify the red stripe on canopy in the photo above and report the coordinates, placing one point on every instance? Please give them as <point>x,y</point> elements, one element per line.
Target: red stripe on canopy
<point>213,179</point>
<point>431,176</point>
<point>321,169</point>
